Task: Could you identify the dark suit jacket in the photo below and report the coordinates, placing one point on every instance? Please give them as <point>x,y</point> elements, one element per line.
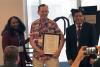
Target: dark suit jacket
<point>87,38</point>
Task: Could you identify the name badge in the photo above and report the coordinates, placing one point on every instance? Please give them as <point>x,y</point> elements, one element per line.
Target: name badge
<point>20,49</point>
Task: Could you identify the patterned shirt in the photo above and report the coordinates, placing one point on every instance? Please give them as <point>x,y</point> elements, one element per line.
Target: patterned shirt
<point>48,26</point>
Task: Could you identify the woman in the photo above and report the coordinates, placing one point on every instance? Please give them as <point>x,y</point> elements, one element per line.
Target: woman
<point>13,34</point>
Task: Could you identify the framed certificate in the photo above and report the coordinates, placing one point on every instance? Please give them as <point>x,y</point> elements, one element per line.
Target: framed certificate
<point>51,43</point>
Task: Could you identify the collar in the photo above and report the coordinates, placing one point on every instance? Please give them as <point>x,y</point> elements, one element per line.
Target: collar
<point>77,26</point>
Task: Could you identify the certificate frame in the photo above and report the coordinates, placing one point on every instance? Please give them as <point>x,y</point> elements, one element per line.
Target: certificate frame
<point>51,43</point>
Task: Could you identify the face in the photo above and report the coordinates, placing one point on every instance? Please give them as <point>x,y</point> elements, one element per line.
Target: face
<point>43,12</point>
<point>14,23</point>
<point>78,18</point>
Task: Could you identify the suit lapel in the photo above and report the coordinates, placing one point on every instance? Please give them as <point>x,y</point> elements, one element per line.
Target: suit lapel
<point>74,32</point>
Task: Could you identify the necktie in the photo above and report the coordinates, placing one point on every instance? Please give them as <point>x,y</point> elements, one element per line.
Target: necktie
<point>78,34</point>
<point>78,31</point>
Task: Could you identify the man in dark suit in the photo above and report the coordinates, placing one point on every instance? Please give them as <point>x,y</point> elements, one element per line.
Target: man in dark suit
<point>10,56</point>
<point>79,34</point>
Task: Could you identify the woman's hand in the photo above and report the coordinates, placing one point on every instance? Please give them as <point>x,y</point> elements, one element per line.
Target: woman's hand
<point>81,52</point>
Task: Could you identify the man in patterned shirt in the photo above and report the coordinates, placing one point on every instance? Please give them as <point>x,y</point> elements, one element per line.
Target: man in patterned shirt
<point>38,28</point>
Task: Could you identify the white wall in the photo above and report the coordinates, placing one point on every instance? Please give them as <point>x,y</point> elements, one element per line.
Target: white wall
<point>9,8</point>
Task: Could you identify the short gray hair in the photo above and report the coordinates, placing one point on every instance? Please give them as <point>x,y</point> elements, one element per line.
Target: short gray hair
<point>10,53</point>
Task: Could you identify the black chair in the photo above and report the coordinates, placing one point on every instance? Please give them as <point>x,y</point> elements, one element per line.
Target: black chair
<point>64,19</point>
